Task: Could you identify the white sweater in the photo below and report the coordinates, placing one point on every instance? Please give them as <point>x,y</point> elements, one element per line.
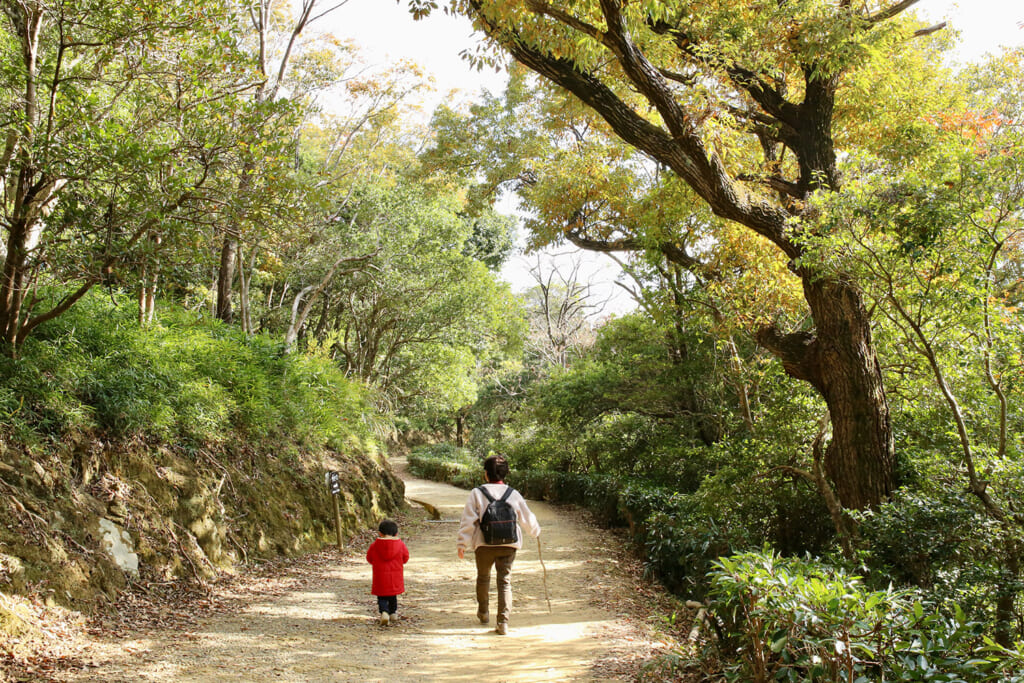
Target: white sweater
<point>470,536</point>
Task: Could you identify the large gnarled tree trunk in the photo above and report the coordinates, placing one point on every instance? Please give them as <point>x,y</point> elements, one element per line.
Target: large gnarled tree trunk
<point>839,361</point>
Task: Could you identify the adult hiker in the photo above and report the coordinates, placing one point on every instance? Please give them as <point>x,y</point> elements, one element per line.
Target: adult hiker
<point>490,527</point>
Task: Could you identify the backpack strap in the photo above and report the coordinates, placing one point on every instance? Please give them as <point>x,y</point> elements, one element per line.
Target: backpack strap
<point>503,499</point>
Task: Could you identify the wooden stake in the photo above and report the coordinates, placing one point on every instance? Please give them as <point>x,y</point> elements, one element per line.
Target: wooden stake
<point>545,573</point>
<point>337,521</point>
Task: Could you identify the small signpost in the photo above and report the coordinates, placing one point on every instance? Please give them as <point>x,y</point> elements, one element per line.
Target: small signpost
<point>334,484</point>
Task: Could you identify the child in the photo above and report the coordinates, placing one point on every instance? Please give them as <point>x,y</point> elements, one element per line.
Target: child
<point>387,554</point>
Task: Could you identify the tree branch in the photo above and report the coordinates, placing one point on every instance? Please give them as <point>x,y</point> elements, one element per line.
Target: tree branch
<point>679,148</point>
<point>891,12</point>
<point>930,30</point>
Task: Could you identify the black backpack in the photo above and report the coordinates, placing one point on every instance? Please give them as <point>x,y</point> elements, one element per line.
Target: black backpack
<point>499,521</point>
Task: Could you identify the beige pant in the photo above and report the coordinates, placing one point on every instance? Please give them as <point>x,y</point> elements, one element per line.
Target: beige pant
<point>501,557</point>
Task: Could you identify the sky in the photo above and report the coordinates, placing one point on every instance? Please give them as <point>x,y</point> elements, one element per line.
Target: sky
<point>387,34</point>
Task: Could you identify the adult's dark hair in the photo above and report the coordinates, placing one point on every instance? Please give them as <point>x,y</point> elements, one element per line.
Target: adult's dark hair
<point>496,468</point>
<point>388,528</point>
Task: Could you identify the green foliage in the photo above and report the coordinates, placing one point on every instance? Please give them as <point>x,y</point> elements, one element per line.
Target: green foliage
<point>802,620</point>
<point>186,380</point>
<point>132,115</point>
<point>639,403</point>
<point>446,463</point>
<point>491,239</point>
<point>416,317</point>
<point>942,542</point>
<point>680,534</point>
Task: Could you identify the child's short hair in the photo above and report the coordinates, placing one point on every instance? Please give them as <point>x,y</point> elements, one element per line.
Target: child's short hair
<point>496,468</point>
<point>388,528</point>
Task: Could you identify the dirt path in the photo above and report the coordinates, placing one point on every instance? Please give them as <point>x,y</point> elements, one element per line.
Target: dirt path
<point>321,626</point>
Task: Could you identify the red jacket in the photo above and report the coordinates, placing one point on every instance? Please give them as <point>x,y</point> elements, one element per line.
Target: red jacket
<point>387,555</point>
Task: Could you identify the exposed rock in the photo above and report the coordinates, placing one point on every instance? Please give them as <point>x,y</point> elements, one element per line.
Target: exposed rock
<point>119,545</point>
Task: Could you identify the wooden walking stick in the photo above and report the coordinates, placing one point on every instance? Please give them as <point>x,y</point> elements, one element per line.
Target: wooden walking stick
<point>545,570</point>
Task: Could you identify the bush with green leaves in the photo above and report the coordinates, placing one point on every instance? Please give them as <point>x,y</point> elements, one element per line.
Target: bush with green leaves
<point>185,379</point>
<point>789,619</point>
<point>942,542</point>
<point>679,547</point>
<point>446,463</point>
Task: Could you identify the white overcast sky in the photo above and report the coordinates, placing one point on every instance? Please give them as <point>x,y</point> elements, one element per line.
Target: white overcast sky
<point>386,33</point>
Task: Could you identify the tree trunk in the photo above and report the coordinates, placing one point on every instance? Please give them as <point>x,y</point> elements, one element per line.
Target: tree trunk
<point>245,279</point>
<point>460,430</point>
<point>839,361</point>
<point>143,294</point>
<point>299,314</point>
<point>738,383</point>
<point>148,281</point>
<point>1006,617</point>
<point>225,279</point>
<point>151,302</point>
<point>12,292</point>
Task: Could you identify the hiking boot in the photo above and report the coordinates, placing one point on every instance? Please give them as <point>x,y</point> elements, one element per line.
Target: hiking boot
<point>484,617</point>
<point>383,618</point>
<point>394,620</point>
<point>502,628</point>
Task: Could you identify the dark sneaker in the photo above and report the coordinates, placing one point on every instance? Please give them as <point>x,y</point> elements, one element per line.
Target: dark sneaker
<point>501,629</point>
<point>484,617</point>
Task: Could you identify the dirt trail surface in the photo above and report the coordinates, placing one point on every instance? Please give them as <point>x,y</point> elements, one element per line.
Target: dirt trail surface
<point>316,621</point>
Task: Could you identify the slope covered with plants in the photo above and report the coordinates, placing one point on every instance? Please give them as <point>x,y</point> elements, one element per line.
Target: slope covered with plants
<point>196,447</point>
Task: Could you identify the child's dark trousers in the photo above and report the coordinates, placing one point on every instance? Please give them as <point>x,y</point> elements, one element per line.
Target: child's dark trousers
<point>387,603</point>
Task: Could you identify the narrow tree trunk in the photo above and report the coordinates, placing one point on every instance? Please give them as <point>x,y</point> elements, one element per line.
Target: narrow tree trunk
<point>460,430</point>
<point>270,296</point>
<point>321,325</point>
<point>12,293</point>
<point>738,383</point>
<point>243,292</point>
<point>151,301</point>
<point>143,275</point>
<point>1006,618</point>
<point>148,281</point>
<point>299,314</point>
<point>245,279</point>
<point>225,279</point>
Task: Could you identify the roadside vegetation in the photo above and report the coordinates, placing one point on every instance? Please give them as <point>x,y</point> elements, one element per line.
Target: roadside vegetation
<point>178,434</point>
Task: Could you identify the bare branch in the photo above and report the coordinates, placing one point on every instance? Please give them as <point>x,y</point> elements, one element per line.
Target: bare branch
<point>930,30</point>
<point>892,11</point>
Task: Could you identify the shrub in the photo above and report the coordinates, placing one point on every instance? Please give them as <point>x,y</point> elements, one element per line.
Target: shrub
<point>785,619</point>
<point>185,379</point>
<point>446,463</point>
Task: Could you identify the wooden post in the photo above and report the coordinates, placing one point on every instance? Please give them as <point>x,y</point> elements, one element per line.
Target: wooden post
<point>337,520</point>
<point>334,484</point>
